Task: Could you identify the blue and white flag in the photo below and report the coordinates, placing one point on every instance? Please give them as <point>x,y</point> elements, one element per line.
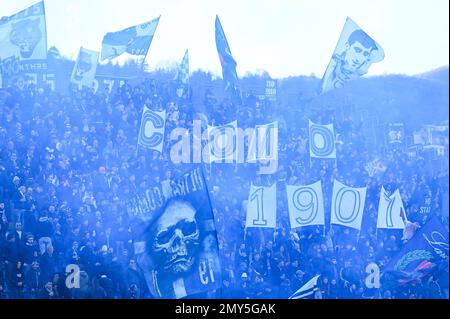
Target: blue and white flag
<point>134,40</point>
<point>308,290</point>
<point>222,143</point>
<point>305,205</point>
<point>151,133</point>
<point>322,141</point>
<point>83,73</point>
<point>227,61</point>
<point>182,76</point>
<point>347,205</point>
<point>391,213</point>
<point>354,54</point>
<point>262,207</point>
<point>24,34</point>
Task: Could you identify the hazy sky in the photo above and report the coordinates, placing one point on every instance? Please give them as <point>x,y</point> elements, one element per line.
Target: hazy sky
<point>284,37</point>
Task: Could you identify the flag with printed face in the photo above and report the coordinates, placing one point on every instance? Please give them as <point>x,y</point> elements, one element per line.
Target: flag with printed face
<point>391,213</point>
<point>321,141</point>
<point>262,207</point>
<point>305,205</point>
<point>347,205</point>
<point>227,61</point>
<point>24,34</point>
<point>134,40</point>
<point>354,54</point>
<point>83,73</point>
<point>151,133</point>
<point>222,143</point>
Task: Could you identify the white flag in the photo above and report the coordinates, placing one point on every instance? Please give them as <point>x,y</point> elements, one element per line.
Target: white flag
<point>151,133</point>
<point>391,211</point>
<point>262,207</point>
<point>305,205</point>
<point>354,54</point>
<point>222,143</point>
<point>347,205</point>
<point>83,73</point>
<point>321,141</point>
<point>24,34</point>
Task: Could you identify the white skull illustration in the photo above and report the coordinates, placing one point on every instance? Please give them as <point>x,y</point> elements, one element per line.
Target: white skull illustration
<point>176,238</point>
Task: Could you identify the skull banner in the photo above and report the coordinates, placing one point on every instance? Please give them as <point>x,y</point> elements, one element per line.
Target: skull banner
<point>177,249</point>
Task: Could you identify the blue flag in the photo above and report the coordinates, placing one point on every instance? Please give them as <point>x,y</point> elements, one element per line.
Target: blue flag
<point>426,251</point>
<point>134,40</point>
<point>227,61</point>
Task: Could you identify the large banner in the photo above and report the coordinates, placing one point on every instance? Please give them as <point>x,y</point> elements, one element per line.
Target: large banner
<point>305,205</point>
<point>347,206</point>
<point>391,213</point>
<point>23,42</point>
<point>262,207</point>
<point>152,130</point>
<point>321,141</point>
<point>83,74</point>
<point>354,54</point>
<point>134,40</point>
<point>178,250</point>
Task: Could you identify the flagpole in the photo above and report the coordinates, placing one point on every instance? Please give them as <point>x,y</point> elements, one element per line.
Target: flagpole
<point>148,49</point>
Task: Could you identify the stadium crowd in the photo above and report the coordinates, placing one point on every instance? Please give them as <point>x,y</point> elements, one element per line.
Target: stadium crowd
<point>68,162</point>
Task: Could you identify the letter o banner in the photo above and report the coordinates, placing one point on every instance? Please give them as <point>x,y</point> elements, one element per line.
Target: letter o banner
<point>327,147</point>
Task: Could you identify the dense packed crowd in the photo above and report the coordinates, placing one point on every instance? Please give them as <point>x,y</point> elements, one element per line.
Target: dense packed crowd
<point>68,162</point>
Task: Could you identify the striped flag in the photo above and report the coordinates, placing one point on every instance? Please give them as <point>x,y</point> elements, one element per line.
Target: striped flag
<point>307,291</point>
